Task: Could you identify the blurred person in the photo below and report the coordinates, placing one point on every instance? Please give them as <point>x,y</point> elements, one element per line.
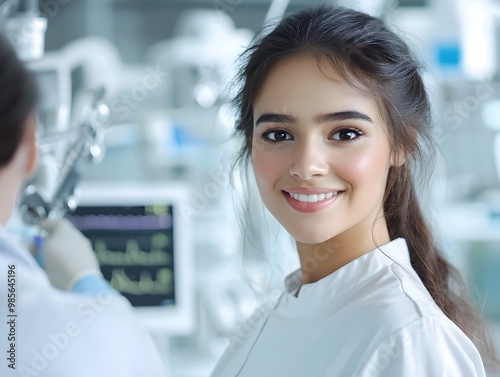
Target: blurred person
<point>84,328</point>
<point>335,122</point>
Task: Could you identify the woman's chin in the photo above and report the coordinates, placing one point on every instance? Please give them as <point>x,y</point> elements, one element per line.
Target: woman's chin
<point>309,237</point>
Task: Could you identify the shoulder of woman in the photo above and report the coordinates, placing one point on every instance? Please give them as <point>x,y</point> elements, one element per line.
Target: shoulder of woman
<point>428,346</point>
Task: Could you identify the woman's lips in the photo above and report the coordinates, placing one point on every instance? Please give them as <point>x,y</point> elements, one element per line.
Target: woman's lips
<point>315,201</point>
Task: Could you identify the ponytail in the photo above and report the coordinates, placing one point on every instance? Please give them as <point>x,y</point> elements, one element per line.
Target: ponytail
<point>443,281</point>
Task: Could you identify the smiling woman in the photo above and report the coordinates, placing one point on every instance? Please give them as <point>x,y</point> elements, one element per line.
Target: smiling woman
<point>333,142</point>
<point>336,124</point>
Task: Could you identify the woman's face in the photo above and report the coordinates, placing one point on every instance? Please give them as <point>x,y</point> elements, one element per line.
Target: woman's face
<point>320,152</point>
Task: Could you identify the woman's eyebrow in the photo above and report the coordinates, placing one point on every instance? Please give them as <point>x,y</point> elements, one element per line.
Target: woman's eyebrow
<point>342,115</point>
<point>275,118</point>
<point>322,118</point>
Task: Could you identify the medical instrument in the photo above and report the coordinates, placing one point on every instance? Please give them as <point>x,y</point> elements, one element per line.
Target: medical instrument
<point>41,199</point>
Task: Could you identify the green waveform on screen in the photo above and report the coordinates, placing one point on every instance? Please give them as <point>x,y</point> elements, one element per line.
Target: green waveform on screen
<point>163,284</point>
<point>133,255</point>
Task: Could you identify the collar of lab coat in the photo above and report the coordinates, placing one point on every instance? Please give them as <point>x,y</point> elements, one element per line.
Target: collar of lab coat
<point>348,280</point>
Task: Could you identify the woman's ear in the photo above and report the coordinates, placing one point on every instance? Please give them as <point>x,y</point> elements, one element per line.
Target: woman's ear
<point>398,158</point>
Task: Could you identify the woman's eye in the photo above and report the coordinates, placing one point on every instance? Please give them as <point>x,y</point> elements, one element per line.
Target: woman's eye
<point>275,136</point>
<point>346,135</point>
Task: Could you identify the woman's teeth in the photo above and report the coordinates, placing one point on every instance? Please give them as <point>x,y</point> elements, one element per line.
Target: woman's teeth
<point>312,198</point>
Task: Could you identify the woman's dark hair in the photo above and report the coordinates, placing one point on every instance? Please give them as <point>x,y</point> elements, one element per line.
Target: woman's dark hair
<point>18,96</point>
<point>373,59</point>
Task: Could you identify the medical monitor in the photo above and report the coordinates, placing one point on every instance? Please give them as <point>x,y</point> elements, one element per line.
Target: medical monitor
<point>141,237</point>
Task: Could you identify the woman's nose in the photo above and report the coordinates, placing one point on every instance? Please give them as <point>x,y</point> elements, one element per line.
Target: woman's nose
<point>309,161</point>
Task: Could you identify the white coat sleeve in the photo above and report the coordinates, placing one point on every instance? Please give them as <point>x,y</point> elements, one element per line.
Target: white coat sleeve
<point>52,333</point>
<point>429,346</point>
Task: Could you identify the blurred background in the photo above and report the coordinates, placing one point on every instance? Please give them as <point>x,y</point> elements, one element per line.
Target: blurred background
<point>164,148</point>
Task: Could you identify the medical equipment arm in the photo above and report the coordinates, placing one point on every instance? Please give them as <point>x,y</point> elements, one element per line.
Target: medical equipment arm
<point>41,201</point>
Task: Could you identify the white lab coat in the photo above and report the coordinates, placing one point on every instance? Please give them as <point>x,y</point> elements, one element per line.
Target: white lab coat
<point>60,334</point>
<point>371,318</point>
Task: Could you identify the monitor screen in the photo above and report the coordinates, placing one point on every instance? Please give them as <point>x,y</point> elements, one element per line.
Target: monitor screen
<point>135,249</point>
<point>141,240</point>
